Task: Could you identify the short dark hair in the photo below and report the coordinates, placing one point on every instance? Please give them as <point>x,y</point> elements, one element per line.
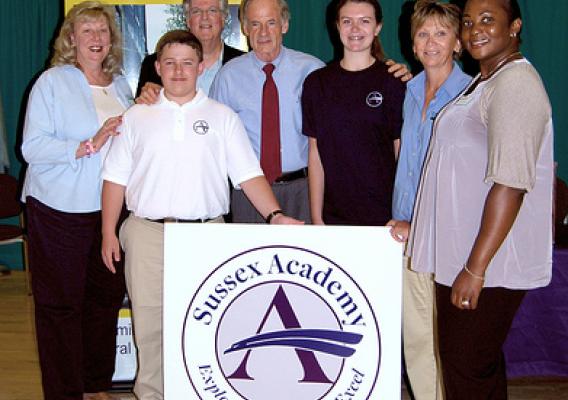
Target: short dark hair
<point>513,12</point>
<point>513,9</point>
<point>181,37</point>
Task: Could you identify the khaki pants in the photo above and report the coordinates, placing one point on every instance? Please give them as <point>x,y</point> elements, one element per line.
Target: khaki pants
<point>419,334</point>
<point>143,243</point>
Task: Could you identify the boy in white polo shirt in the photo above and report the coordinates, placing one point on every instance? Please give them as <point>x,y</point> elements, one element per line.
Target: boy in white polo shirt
<point>172,160</point>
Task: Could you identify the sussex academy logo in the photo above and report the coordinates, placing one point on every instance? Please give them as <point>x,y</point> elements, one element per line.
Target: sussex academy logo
<point>280,322</point>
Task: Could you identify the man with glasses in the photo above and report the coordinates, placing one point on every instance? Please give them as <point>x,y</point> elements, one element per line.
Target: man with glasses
<point>206,20</point>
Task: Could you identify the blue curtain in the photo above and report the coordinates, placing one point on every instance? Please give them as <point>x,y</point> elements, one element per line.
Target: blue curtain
<point>26,30</point>
<point>4,159</point>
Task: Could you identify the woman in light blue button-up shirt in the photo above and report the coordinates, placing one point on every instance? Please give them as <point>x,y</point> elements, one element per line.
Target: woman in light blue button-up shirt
<point>435,31</point>
<point>73,111</point>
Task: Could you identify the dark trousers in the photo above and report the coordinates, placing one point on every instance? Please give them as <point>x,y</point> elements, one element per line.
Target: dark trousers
<point>292,197</point>
<point>471,343</point>
<point>76,301</point>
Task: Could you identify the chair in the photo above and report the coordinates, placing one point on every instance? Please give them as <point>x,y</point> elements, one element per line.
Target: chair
<point>10,206</point>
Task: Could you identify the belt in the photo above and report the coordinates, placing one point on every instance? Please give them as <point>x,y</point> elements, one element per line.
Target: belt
<point>179,220</point>
<point>292,176</point>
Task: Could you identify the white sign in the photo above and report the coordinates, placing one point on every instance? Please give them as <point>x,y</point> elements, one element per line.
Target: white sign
<point>125,363</point>
<point>259,312</point>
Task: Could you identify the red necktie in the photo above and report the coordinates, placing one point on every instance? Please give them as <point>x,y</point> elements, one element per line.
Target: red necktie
<point>270,140</point>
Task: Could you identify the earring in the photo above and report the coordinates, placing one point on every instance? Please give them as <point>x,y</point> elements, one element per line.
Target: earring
<point>513,34</point>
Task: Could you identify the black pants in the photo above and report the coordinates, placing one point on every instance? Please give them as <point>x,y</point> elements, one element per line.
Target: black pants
<point>76,301</point>
<point>471,343</point>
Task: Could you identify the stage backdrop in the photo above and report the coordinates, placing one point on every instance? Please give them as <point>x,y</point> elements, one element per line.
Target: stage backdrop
<point>28,27</point>
<point>281,312</point>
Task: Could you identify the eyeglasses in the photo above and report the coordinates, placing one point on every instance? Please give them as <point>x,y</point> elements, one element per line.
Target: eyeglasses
<point>198,12</point>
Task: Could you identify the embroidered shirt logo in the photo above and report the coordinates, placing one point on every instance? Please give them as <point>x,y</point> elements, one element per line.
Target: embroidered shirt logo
<point>200,127</point>
<point>374,99</point>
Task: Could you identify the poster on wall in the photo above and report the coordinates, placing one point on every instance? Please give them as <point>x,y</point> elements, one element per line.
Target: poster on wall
<point>256,312</point>
<point>125,364</point>
<point>143,22</point>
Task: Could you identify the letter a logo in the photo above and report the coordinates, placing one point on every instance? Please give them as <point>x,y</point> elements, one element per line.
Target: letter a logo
<point>295,338</point>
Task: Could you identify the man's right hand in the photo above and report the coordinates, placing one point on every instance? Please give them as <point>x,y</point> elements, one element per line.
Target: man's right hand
<point>149,94</point>
<point>110,251</point>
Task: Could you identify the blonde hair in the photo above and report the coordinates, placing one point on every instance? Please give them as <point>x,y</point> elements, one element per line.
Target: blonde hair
<point>64,49</point>
<point>449,15</point>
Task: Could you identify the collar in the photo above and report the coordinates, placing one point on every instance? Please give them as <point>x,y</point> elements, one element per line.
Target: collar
<point>217,64</point>
<point>277,61</point>
<point>451,87</point>
<point>220,60</point>
<point>197,99</point>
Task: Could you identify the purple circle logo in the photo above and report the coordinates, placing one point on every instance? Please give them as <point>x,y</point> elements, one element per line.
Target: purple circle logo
<point>281,322</point>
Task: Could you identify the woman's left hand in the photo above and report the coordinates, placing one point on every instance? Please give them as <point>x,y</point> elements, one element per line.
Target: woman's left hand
<point>398,70</point>
<point>399,230</point>
<point>465,291</point>
<point>108,129</point>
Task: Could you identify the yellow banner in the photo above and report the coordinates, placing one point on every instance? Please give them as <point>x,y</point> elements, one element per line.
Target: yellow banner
<point>124,313</point>
<point>70,3</point>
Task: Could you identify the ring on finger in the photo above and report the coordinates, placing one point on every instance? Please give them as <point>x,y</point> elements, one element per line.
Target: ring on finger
<point>465,303</point>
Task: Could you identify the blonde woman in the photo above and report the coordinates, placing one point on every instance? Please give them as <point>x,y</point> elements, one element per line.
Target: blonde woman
<point>73,111</point>
<point>435,29</point>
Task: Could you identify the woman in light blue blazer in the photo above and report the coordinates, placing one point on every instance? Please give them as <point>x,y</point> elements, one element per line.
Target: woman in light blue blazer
<point>74,110</point>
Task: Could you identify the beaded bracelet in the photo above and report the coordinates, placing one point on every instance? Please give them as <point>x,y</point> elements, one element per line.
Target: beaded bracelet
<point>90,147</point>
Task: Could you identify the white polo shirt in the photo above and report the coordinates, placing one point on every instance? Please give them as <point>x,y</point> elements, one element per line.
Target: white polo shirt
<point>175,160</point>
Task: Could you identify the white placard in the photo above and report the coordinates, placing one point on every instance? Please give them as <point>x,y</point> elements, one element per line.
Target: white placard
<point>125,363</point>
<point>259,312</point>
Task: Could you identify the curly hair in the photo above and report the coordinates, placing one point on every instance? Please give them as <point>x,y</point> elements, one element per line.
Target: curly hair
<point>64,49</point>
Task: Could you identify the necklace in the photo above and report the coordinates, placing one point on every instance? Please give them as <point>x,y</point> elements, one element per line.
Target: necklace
<point>104,89</point>
<point>500,64</point>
